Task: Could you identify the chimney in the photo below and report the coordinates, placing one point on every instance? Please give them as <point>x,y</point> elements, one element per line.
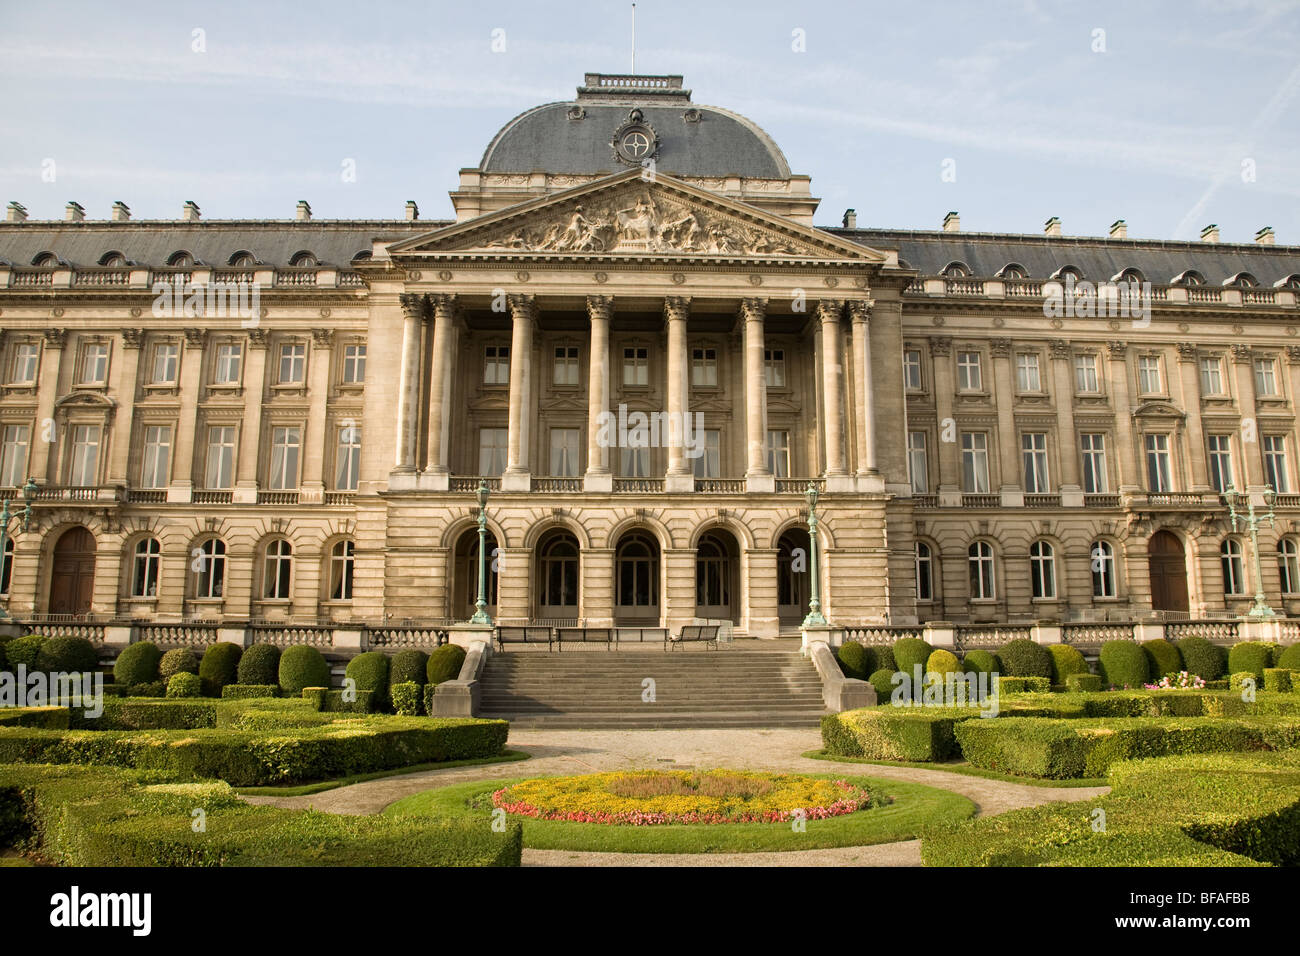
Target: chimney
<point>74,212</point>
<point>1119,229</point>
<point>121,211</point>
<point>412,211</point>
<point>1210,233</point>
<point>850,219</point>
<point>1052,227</point>
<point>952,222</point>
<point>304,211</point>
<point>1265,236</point>
<point>17,212</point>
<point>191,211</point>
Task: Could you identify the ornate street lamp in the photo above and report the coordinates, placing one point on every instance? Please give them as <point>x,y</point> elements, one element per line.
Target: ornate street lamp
<point>29,492</point>
<point>815,617</point>
<point>1251,522</point>
<point>481,615</point>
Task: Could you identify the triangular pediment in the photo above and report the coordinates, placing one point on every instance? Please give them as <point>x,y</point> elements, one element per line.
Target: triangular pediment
<point>627,215</point>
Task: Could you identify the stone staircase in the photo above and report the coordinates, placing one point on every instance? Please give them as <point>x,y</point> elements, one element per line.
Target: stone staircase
<point>603,690</point>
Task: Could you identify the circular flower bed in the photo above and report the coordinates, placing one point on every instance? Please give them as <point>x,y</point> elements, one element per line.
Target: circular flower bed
<point>651,797</point>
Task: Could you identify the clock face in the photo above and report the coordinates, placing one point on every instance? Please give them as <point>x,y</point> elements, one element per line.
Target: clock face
<point>635,143</point>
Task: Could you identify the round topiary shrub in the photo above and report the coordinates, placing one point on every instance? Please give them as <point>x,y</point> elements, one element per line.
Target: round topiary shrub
<point>260,664</point>
<point>1066,660</point>
<point>1250,656</point>
<point>409,665</point>
<point>853,660</point>
<point>137,664</point>
<point>1124,664</point>
<point>219,667</point>
<point>179,660</point>
<point>444,663</point>
<point>67,655</point>
<point>24,650</point>
<point>185,684</point>
<point>1023,658</point>
<point>882,658</point>
<point>302,666</point>
<point>370,671</point>
<point>909,652</point>
<point>883,681</point>
<point>1290,658</point>
<point>942,662</point>
<point>1163,658</point>
<point>981,662</point>
<point>1200,657</point>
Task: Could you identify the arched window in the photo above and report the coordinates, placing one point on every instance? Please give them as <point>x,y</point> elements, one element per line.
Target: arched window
<point>6,565</point>
<point>144,568</point>
<point>181,260</point>
<point>209,566</point>
<point>304,258</point>
<point>1234,571</point>
<point>1131,275</point>
<point>924,572</point>
<point>1190,277</point>
<point>1288,565</point>
<point>1292,282</point>
<point>1102,557</point>
<point>1073,272</point>
<point>1042,569</point>
<point>113,260</point>
<point>637,572</point>
<point>956,270</point>
<point>341,561</point>
<point>276,571</point>
<point>243,259</point>
<point>1014,270</point>
<point>1242,280</point>
<point>980,557</point>
<point>712,573</point>
<point>558,575</point>
<point>45,259</point>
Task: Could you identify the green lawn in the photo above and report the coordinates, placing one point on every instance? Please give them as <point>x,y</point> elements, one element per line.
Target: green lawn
<point>961,766</point>
<point>321,786</point>
<point>911,807</point>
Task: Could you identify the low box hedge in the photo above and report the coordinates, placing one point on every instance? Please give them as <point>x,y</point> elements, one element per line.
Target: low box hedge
<point>245,691</point>
<point>1024,685</point>
<point>1083,682</point>
<point>909,734</point>
<point>336,702</point>
<point>49,718</point>
<point>1278,679</point>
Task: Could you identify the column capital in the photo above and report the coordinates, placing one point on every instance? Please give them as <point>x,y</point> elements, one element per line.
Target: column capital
<point>322,338</point>
<point>522,307</point>
<point>600,307</point>
<point>413,304</point>
<point>829,310</point>
<point>860,310</point>
<point>1117,349</point>
<point>55,338</point>
<point>1000,347</point>
<point>444,304</point>
<point>1293,354</point>
<point>941,345</point>
<point>753,309</point>
<point>1242,354</point>
<point>1187,351</point>
<point>196,337</point>
<point>677,308</point>
<point>259,338</point>
<point>132,338</point>
<point>1059,348</point>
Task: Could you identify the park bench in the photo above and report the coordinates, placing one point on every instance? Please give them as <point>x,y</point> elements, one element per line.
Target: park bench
<point>641,635</point>
<point>524,635</point>
<point>585,635</point>
<point>704,633</point>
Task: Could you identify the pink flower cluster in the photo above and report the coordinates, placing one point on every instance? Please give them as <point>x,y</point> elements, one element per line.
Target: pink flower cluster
<point>1180,681</point>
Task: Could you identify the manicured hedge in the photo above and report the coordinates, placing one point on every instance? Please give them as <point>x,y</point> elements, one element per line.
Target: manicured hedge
<point>981,662</point>
<point>882,659</point>
<point>1278,679</point>
<point>137,664</point>
<point>883,681</point>
<point>242,691</point>
<point>1023,685</point>
<point>445,662</point>
<point>942,662</point>
<point>1066,660</point>
<point>48,718</point>
<point>337,702</point>
<point>1083,682</point>
<point>1162,658</point>
<point>407,698</point>
<point>24,650</point>
<point>302,666</point>
<point>1023,658</point>
<point>1202,658</point>
<point>219,667</point>
<point>1123,664</point>
<point>370,671</point>
<point>854,660</point>
<point>163,714</point>
<point>427,693</point>
<point>259,664</point>
<point>909,652</point>
<point>179,660</point>
<point>185,684</point>
<point>911,734</point>
<point>1289,657</point>
<point>1250,656</point>
<point>155,688</point>
<point>409,665</point>
<point>67,655</point>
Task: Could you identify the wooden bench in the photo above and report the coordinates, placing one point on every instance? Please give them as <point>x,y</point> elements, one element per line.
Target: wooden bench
<point>524,635</point>
<point>585,635</point>
<point>703,633</point>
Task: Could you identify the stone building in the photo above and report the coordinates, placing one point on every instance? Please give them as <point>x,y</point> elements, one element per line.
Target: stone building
<point>634,330</point>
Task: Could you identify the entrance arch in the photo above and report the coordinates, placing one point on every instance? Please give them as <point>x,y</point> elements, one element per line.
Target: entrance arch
<point>717,567</point>
<point>465,577</point>
<point>558,569</point>
<point>793,584</point>
<point>1168,564</point>
<point>636,579</point>
<point>72,580</point>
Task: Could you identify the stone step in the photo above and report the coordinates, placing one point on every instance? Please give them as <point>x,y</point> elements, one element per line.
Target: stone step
<point>684,721</point>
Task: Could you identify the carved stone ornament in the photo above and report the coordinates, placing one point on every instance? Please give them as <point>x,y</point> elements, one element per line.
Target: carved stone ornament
<point>635,142</point>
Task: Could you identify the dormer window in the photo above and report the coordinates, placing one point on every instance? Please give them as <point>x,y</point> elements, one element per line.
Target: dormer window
<point>113,260</point>
<point>181,260</point>
<point>45,260</point>
<point>305,259</point>
<point>243,260</point>
<point>956,270</point>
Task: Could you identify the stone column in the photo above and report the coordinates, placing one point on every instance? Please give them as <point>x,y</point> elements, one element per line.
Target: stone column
<point>948,481</point>
<point>1013,494</point>
<point>250,432</point>
<point>315,446</point>
<point>45,468</point>
<point>523,314</point>
<point>599,477</point>
<point>444,335</point>
<point>1243,367</point>
<point>828,312</point>
<point>191,374</point>
<point>757,475</point>
<point>679,476</point>
<point>1188,375</point>
<point>1067,438</point>
<point>864,396</point>
<point>127,372</point>
<point>408,401</point>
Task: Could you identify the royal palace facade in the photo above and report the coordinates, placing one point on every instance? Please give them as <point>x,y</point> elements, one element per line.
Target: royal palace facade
<point>633,330</point>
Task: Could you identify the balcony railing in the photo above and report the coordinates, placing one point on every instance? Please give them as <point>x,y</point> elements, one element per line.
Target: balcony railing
<point>925,501</point>
<point>1042,501</point>
<point>556,484</point>
<point>277,497</point>
<point>1101,501</point>
<point>146,496</point>
<point>981,501</point>
<point>100,280</point>
<point>212,497</point>
<point>638,486</point>
<point>469,484</point>
<point>797,486</point>
<point>964,286</point>
<point>720,486</point>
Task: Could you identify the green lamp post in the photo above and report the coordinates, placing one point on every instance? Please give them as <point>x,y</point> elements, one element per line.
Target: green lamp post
<point>29,492</point>
<point>815,617</point>
<point>481,615</point>
<point>1251,522</point>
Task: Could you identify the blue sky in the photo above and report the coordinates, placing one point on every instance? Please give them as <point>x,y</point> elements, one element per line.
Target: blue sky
<point>1154,130</point>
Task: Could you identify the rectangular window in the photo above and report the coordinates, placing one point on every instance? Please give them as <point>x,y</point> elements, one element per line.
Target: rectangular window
<point>774,367</point>
<point>94,364</point>
<point>778,453</point>
<point>229,358</point>
<point>293,363</point>
<point>155,468</point>
<point>704,368</point>
<point>286,447</point>
<point>1211,375</point>
<point>709,462</point>
<point>1149,375</point>
<point>496,365</point>
<point>13,455</point>
<point>221,457</point>
<point>565,370</point>
<point>1085,374</point>
<point>969,376</point>
<point>636,367</point>
<point>492,451</point>
<point>166,359</point>
<point>564,452</point>
<point>912,369</point>
<point>1266,378</point>
<point>1159,472</point>
<point>26,357</point>
<point>918,463</point>
<point>634,462</point>
<point>347,459</point>
<point>354,364</point>
<point>1275,471</point>
<point>84,461</point>
<point>1219,448</point>
<point>1093,448</point>
<point>975,463</point>
<point>1033,449</point>
<point>1027,377</point>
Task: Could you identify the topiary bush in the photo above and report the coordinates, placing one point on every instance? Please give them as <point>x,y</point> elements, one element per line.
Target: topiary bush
<point>179,660</point>
<point>153,688</point>
<point>1202,658</point>
<point>942,662</point>
<point>409,665</point>
<point>1162,658</point>
<point>910,652</point>
<point>185,684</point>
<point>853,660</point>
<point>24,650</point>
<point>260,664</point>
<point>1250,656</point>
<point>407,698</point>
<point>1023,658</point>
<point>1290,658</point>
<point>370,671</point>
<point>882,659</point>
<point>1124,664</point>
<point>219,667</point>
<point>1278,679</point>
<point>444,663</point>
<point>137,664</point>
<point>1083,682</point>
<point>1238,681</point>
<point>302,666</point>
<point>67,655</point>
<point>883,681</point>
<point>1067,660</point>
<point>981,662</point>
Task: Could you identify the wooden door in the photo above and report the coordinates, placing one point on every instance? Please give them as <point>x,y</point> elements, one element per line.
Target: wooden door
<point>1168,572</point>
<point>73,582</point>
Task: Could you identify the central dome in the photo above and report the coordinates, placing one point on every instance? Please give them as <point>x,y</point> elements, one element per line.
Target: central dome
<point>618,121</point>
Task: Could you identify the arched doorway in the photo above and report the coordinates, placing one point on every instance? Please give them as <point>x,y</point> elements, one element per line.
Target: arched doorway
<point>72,582</point>
<point>1168,572</point>
<point>717,570</point>
<point>465,578</point>
<point>558,569</point>
<point>792,579</point>
<point>636,580</point>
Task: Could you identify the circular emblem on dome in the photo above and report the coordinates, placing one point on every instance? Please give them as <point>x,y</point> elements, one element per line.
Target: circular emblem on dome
<point>635,142</point>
